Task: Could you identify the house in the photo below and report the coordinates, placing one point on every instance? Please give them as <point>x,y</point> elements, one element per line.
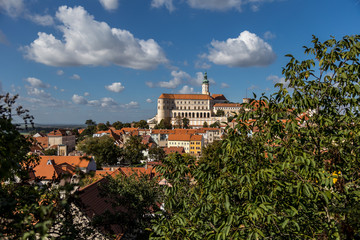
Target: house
<point>85,164</point>
<point>64,138</point>
<point>196,144</point>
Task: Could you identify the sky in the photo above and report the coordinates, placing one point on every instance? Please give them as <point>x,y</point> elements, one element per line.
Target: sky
<point>110,60</point>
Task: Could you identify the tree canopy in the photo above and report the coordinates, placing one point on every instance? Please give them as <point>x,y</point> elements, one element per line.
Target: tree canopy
<point>290,167</point>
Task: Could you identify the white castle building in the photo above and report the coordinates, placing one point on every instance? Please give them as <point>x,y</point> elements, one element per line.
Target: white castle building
<point>198,108</point>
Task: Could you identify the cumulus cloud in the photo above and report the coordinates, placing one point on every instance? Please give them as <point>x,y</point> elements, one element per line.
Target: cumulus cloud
<point>86,41</point>
<point>109,4</point>
<point>60,72</point>
<point>224,5</point>
<point>186,90</point>
<point>131,104</point>
<point>276,79</point>
<point>269,35</point>
<point>43,20</point>
<point>178,78</point>
<point>79,99</point>
<point>86,94</point>
<point>150,84</point>
<point>115,87</point>
<point>12,8</point>
<point>34,82</point>
<point>147,100</point>
<point>224,85</point>
<point>166,3</point>
<point>197,81</point>
<point>33,91</point>
<point>75,76</point>
<point>244,51</point>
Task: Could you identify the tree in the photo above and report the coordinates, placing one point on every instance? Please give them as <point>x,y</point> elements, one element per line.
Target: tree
<point>50,152</point>
<point>220,113</point>
<point>205,125</point>
<point>164,124</point>
<point>292,178</point>
<point>215,124</point>
<point>90,122</point>
<point>118,125</point>
<point>133,150</point>
<point>156,153</point>
<point>141,124</point>
<point>102,127</point>
<point>185,123</point>
<point>103,149</point>
<point>139,195</point>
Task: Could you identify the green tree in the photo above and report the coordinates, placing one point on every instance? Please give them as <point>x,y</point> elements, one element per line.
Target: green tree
<point>102,127</point>
<point>220,113</point>
<point>205,125</point>
<point>50,152</point>
<point>156,153</point>
<point>295,178</point>
<point>164,124</point>
<point>185,123</point>
<point>103,149</point>
<point>139,194</point>
<point>118,125</point>
<point>215,124</point>
<point>90,122</point>
<point>133,150</point>
<point>141,124</point>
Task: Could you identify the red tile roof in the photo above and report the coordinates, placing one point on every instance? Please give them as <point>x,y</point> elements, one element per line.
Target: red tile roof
<point>218,97</point>
<point>228,105</point>
<point>196,137</point>
<point>76,161</point>
<point>185,96</point>
<point>179,137</point>
<point>169,150</point>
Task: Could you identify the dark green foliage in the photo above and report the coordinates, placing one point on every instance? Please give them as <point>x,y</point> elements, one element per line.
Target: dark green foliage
<point>220,113</point>
<point>185,123</point>
<point>133,150</point>
<point>215,124</point>
<point>135,199</point>
<point>141,124</point>
<point>164,124</point>
<point>90,122</point>
<point>118,125</point>
<point>205,125</point>
<point>103,149</point>
<point>156,154</point>
<point>292,179</point>
<point>102,127</point>
<point>50,152</point>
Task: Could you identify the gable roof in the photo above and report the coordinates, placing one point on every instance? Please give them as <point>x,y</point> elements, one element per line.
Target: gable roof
<point>219,97</point>
<point>185,96</point>
<point>179,137</point>
<point>75,161</point>
<point>169,150</point>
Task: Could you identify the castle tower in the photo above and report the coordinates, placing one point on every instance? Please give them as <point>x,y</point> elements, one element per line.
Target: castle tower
<point>205,85</point>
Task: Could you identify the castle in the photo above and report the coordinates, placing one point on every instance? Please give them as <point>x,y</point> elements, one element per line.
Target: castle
<point>198,108</point>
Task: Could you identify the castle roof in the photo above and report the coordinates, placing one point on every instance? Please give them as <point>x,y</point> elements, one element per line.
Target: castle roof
<point>185,96</point>
<point>218,97</point>
<point>227,105</point>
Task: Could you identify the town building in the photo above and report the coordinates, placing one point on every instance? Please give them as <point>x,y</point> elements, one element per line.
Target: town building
<point>198,108</point>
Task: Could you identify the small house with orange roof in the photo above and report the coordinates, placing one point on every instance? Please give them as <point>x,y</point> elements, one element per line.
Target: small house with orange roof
<point>169,150</point>
<point>62,137</point>
<point>180,140</point>
<point>85,164</point>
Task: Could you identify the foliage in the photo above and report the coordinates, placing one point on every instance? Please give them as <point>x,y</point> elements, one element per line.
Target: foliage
<point>156,153</point>
<point>185,123</point>
<point>220,113</point>
<point>50,152</point>
<point>118,125</point>
<point>164,124</point>
<point>133,150</point>
<point>141,124</point>
<point>215,124</point>
<point>102,127</point>
<point>293,178</point>
<point>135,199</point>
<point>205,125</point>
<point>90,122</point>
<point>103,149</point>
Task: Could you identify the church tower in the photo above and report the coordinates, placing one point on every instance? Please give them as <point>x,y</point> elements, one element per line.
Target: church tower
<point>205,85</point>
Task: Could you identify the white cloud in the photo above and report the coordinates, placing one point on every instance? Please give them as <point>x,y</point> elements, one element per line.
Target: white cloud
<point>178,78</point>
<point>109,4</point>
<point>34,82</point>
<point>131,104</point>
<point>224,5</point>
<point>186,90</point>
<point>244,51</point>
<point>55,87</point>
<point>150,84</point>
<point>89,42</point>
<point>33,91</point>
<point>166,3</point>
<point>12,8</point>
<point>269,35</point>
<point>224,85</point>
<point>115,87</point>
<point>75,76</point>
<point>79,99</point>
<point>149,100</point>
<point>43,20</point>
<point>197,81</point>
<point>276,79</point>
<point>86,94</point>
<point>60,72</point>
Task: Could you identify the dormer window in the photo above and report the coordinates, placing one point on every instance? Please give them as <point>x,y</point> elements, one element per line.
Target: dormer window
<point>49,162</point>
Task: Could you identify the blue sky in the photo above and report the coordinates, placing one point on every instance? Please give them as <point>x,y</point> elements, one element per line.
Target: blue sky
<point>109,60</point>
